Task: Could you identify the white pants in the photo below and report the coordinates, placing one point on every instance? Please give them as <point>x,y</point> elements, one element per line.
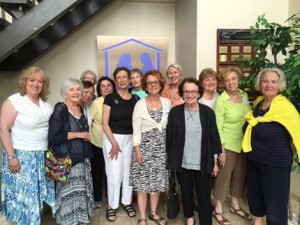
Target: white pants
<point>117,171</point>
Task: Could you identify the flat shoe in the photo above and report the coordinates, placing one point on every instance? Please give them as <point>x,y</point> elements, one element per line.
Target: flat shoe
<point>241,213</point>
<point>129,210</point>
<point>142,220</point>
<point>158,220</point>
<point>111,213</point>
<point>222,221</point>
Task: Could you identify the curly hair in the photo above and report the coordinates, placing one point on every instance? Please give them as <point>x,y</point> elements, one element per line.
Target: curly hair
<point>156,74</point>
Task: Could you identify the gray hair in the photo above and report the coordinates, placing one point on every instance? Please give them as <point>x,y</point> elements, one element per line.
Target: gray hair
<point>84,73</point>
<point>68,83</point>
<point>279,72</point>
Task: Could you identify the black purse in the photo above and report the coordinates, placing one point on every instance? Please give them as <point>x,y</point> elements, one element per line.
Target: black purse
<point>172,201</point>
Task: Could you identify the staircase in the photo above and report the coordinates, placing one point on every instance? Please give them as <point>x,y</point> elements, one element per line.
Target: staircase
<point>38,24</point>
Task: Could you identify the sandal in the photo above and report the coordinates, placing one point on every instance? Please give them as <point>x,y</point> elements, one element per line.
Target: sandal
<point>111,215</point>
<point>157,220</point>
<point>222,221</point>
<point>142,220</point>
<point>241,213</point>
<point>129,210</point>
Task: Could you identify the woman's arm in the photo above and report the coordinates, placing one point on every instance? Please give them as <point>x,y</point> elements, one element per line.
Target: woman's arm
<point>220,114</point>
<point>137,130</point>
<point>58,134</point>
<point>115,149</point>
<point>7,119</point>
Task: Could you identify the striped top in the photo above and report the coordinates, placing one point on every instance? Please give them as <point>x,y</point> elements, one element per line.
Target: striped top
<point>270,143</point>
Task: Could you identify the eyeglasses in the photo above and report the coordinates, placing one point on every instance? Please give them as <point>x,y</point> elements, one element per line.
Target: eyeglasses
<point>152,83</point>
<point>193,92</point>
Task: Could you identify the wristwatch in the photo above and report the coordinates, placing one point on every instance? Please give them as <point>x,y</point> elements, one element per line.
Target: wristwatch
<point>11,157</point>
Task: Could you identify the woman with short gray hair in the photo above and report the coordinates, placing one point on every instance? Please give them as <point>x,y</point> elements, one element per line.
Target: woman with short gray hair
<point>69,134</point>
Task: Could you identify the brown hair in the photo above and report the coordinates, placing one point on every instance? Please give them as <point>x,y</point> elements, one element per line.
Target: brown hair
<point>207,72</point>
<point>156,74</point>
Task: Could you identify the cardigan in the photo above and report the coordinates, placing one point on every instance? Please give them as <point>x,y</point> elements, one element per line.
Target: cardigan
<point>281,111</point>
<point>59,127</point>
<point>210,143</point>
<point>142,121</point>
<point>96,128</point>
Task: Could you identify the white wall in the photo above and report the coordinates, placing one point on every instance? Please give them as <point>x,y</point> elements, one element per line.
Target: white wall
<point>231,14</point>
<point>78,51</point>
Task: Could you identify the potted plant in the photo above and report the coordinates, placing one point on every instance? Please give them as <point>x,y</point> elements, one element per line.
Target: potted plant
<point>272,40</point>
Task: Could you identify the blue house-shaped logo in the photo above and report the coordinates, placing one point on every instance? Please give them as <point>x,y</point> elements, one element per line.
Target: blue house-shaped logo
<point>149,56</point>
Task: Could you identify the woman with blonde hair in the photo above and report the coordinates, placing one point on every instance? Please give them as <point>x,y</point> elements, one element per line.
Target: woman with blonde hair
<point>231,108</point>
<point>24,129</point>
<point>170,91</point>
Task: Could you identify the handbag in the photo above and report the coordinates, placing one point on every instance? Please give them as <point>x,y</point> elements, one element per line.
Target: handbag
<point>57,168</point>
<point>172,201</point>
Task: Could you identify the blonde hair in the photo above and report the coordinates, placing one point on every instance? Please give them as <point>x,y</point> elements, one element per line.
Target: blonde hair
<point>27,73</point>
<point>176,66</point>
<point>229,70</point>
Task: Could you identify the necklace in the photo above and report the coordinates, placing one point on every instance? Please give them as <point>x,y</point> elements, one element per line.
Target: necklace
<point>262,111</point>
<point>191,113</point>
<point>153,105</point>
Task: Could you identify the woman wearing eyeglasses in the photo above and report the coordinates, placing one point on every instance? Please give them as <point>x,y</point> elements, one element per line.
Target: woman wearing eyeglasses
<point>192,141</point>
<point>148,172</point>
<point>105,86</point>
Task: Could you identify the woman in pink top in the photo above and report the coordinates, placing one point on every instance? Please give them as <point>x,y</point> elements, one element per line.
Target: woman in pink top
<point>170,91</point>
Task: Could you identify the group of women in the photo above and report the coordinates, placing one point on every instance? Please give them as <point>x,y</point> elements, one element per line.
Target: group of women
<point>132,138</point>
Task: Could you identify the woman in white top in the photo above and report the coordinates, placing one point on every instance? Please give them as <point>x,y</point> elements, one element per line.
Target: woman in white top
<point>148,172</point>
<point>24,129</point>
<point>208,81</point>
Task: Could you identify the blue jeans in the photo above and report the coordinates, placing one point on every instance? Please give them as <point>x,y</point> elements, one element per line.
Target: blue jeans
<point>268,190</point>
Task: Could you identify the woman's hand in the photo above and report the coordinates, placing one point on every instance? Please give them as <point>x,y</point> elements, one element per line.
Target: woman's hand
<point>215,169</point>
<point>115,149</point>
<point>14,165</point>
<point>138,155</point>
<point>222,157</point>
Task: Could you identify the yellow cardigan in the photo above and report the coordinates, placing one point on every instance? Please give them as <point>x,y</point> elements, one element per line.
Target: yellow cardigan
<point>281,111</point>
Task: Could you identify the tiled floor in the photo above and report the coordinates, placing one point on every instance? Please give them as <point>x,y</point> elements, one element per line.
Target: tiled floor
<point>123,219</point>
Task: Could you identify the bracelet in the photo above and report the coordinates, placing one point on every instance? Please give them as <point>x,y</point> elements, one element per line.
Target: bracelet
<point>11,157</point>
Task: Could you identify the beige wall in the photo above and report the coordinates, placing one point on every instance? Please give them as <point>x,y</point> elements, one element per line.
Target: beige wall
<point>231,14</point>
<point>77,52</point>
<point>294,7</point>
<point>195,35</point>
<point>186,36</point>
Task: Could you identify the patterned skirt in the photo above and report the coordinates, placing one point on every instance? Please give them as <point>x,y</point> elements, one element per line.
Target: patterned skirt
<point>23,193</point>
<point>75,201</point>
<point>152,175</point>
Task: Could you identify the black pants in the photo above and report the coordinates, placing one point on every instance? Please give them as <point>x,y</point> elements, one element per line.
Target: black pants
<point>268,192</point>
<point>98,173</point>
<point>203,189</point>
